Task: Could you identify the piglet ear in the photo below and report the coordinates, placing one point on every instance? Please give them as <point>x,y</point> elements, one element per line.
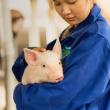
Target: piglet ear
<point>57,48</point>
<point>30,56</point>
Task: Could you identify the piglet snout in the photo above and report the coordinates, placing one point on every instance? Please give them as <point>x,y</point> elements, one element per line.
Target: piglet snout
<point>59,79</point>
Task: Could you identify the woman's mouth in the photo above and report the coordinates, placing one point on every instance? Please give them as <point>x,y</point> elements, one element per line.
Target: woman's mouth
<point>71,19</point>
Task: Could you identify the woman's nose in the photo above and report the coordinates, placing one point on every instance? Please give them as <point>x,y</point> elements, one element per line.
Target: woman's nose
<point>66,10</point>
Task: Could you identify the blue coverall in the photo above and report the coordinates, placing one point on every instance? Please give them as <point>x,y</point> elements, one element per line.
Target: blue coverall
<point>86,84</point>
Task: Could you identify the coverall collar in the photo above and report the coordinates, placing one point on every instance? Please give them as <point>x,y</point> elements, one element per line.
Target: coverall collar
<point>82,27</point>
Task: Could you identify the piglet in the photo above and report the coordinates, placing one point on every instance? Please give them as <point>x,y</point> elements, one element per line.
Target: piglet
<point>43,65</point>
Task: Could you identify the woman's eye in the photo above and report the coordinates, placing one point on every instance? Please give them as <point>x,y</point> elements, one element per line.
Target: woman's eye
<point>44,66</point>
<point>56,3</point>
<point>71,1</point>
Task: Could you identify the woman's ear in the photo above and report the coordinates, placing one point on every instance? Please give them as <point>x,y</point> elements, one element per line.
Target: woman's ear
<point>31,56</point>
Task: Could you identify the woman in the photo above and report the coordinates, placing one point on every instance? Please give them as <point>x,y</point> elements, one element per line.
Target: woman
<point>86,62</point>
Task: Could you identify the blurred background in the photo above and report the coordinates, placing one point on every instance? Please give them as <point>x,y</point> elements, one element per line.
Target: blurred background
<point>26,23</point>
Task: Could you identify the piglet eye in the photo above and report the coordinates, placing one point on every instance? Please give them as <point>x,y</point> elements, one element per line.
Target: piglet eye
<point>44,66</point>
<point>60,62</point>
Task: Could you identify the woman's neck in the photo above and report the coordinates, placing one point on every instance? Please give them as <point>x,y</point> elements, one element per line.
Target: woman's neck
<point>67,31</point>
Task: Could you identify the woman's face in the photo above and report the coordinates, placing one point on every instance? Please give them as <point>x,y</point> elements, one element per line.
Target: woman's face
<point>73,11</point>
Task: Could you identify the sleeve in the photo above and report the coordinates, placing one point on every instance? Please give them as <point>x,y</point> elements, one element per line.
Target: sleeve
<point>86,77</point>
